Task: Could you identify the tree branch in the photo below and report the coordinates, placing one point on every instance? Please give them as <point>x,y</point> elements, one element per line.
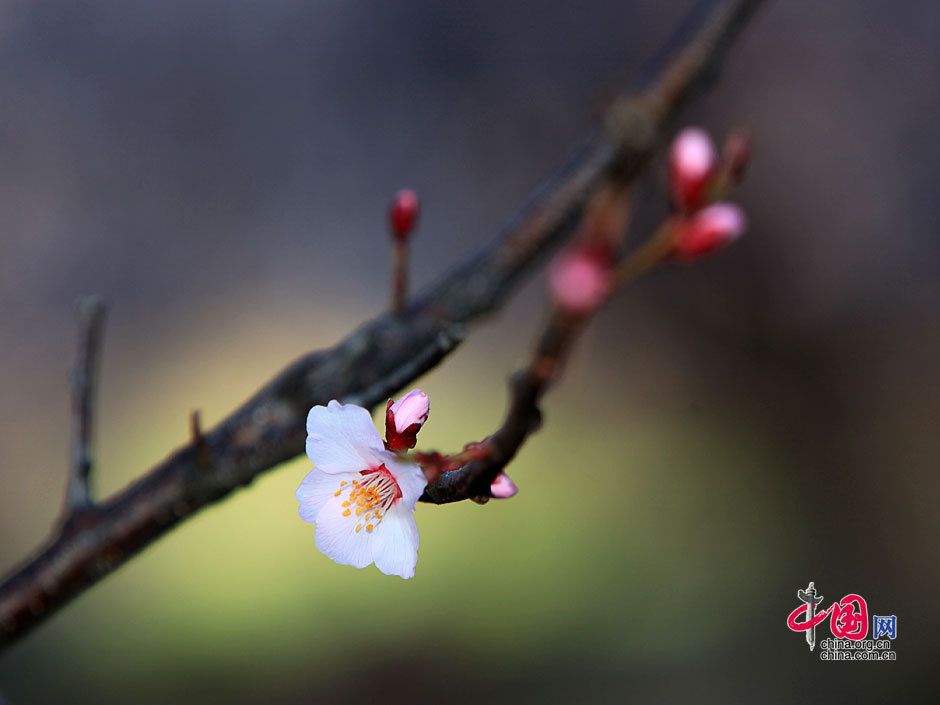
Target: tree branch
<point>369,365</point>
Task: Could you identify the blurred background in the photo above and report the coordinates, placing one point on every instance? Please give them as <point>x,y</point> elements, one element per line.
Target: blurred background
<point>726,432</point>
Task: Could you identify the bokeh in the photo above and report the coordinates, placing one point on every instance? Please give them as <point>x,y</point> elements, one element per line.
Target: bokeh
<point>726,432</point>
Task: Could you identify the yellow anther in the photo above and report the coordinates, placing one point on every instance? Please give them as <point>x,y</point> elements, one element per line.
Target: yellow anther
<point>345,504</point>
<point>343,483</point>
<point>358,527</point>
<point>369,527</point>
<point>337,493</point>
<point>345,512</point>
<point>359,511</point>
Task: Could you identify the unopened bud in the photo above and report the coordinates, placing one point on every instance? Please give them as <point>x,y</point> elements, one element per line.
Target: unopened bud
<point>404,418</point>
<point>502,487</point>
<point>692,163</point>
<point>403,213</point>
<point>709,229</point>
<point>736,154</point>
<point>579,281</point>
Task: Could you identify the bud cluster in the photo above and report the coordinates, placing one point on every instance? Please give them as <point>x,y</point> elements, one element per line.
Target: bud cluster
<point>698,178</point>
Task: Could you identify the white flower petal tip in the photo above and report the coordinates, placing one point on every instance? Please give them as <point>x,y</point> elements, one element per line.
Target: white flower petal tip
<point>503,487</point>
<point>404,418</point>
<point>360,496</point>
<point>341,438</point>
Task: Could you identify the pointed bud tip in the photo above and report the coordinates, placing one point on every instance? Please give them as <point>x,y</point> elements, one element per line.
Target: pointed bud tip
<point>403,213</point>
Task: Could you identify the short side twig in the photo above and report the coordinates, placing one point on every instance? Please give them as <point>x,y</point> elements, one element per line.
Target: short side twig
<point>84,376</point>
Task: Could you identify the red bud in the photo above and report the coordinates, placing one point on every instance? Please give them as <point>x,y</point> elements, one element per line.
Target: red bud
<point>403,213</point>
<point>692,163</point>
<point>710,228</point>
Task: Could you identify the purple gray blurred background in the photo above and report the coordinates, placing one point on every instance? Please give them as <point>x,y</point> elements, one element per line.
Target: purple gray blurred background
<point>219,172</point>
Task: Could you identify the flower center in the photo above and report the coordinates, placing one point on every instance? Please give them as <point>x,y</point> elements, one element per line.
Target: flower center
<point>369,498</point>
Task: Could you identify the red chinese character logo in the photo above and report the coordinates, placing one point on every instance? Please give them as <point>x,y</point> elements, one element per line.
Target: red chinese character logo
<point>850,618</point>
<point>809,621</point>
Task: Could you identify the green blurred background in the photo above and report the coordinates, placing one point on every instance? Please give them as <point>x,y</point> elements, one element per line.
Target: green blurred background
<point>724,434</point>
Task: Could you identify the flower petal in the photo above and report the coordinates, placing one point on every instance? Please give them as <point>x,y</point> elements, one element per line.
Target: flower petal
<point>341,438</point>
<point>409,477</point>
<point>503,487</point>
<point>411,409</point>
<point>316,489</point>
<point>337,537</point>
<point>395,545</point>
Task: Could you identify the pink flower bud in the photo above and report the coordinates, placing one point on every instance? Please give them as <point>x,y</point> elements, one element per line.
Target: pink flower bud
<point>503,487</point>
<point>411,409</point>
<point>404,418</point>
<point>403,213</point>
<point>712,227</point>
<point>579,281</point>
<point>692,163</point>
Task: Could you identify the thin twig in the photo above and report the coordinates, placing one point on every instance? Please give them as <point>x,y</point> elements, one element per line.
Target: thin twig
<point>470,473</point>
<point>385,354</point>
<point>400,260</point>
<point>84,375</point>
<point>473,480</point>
